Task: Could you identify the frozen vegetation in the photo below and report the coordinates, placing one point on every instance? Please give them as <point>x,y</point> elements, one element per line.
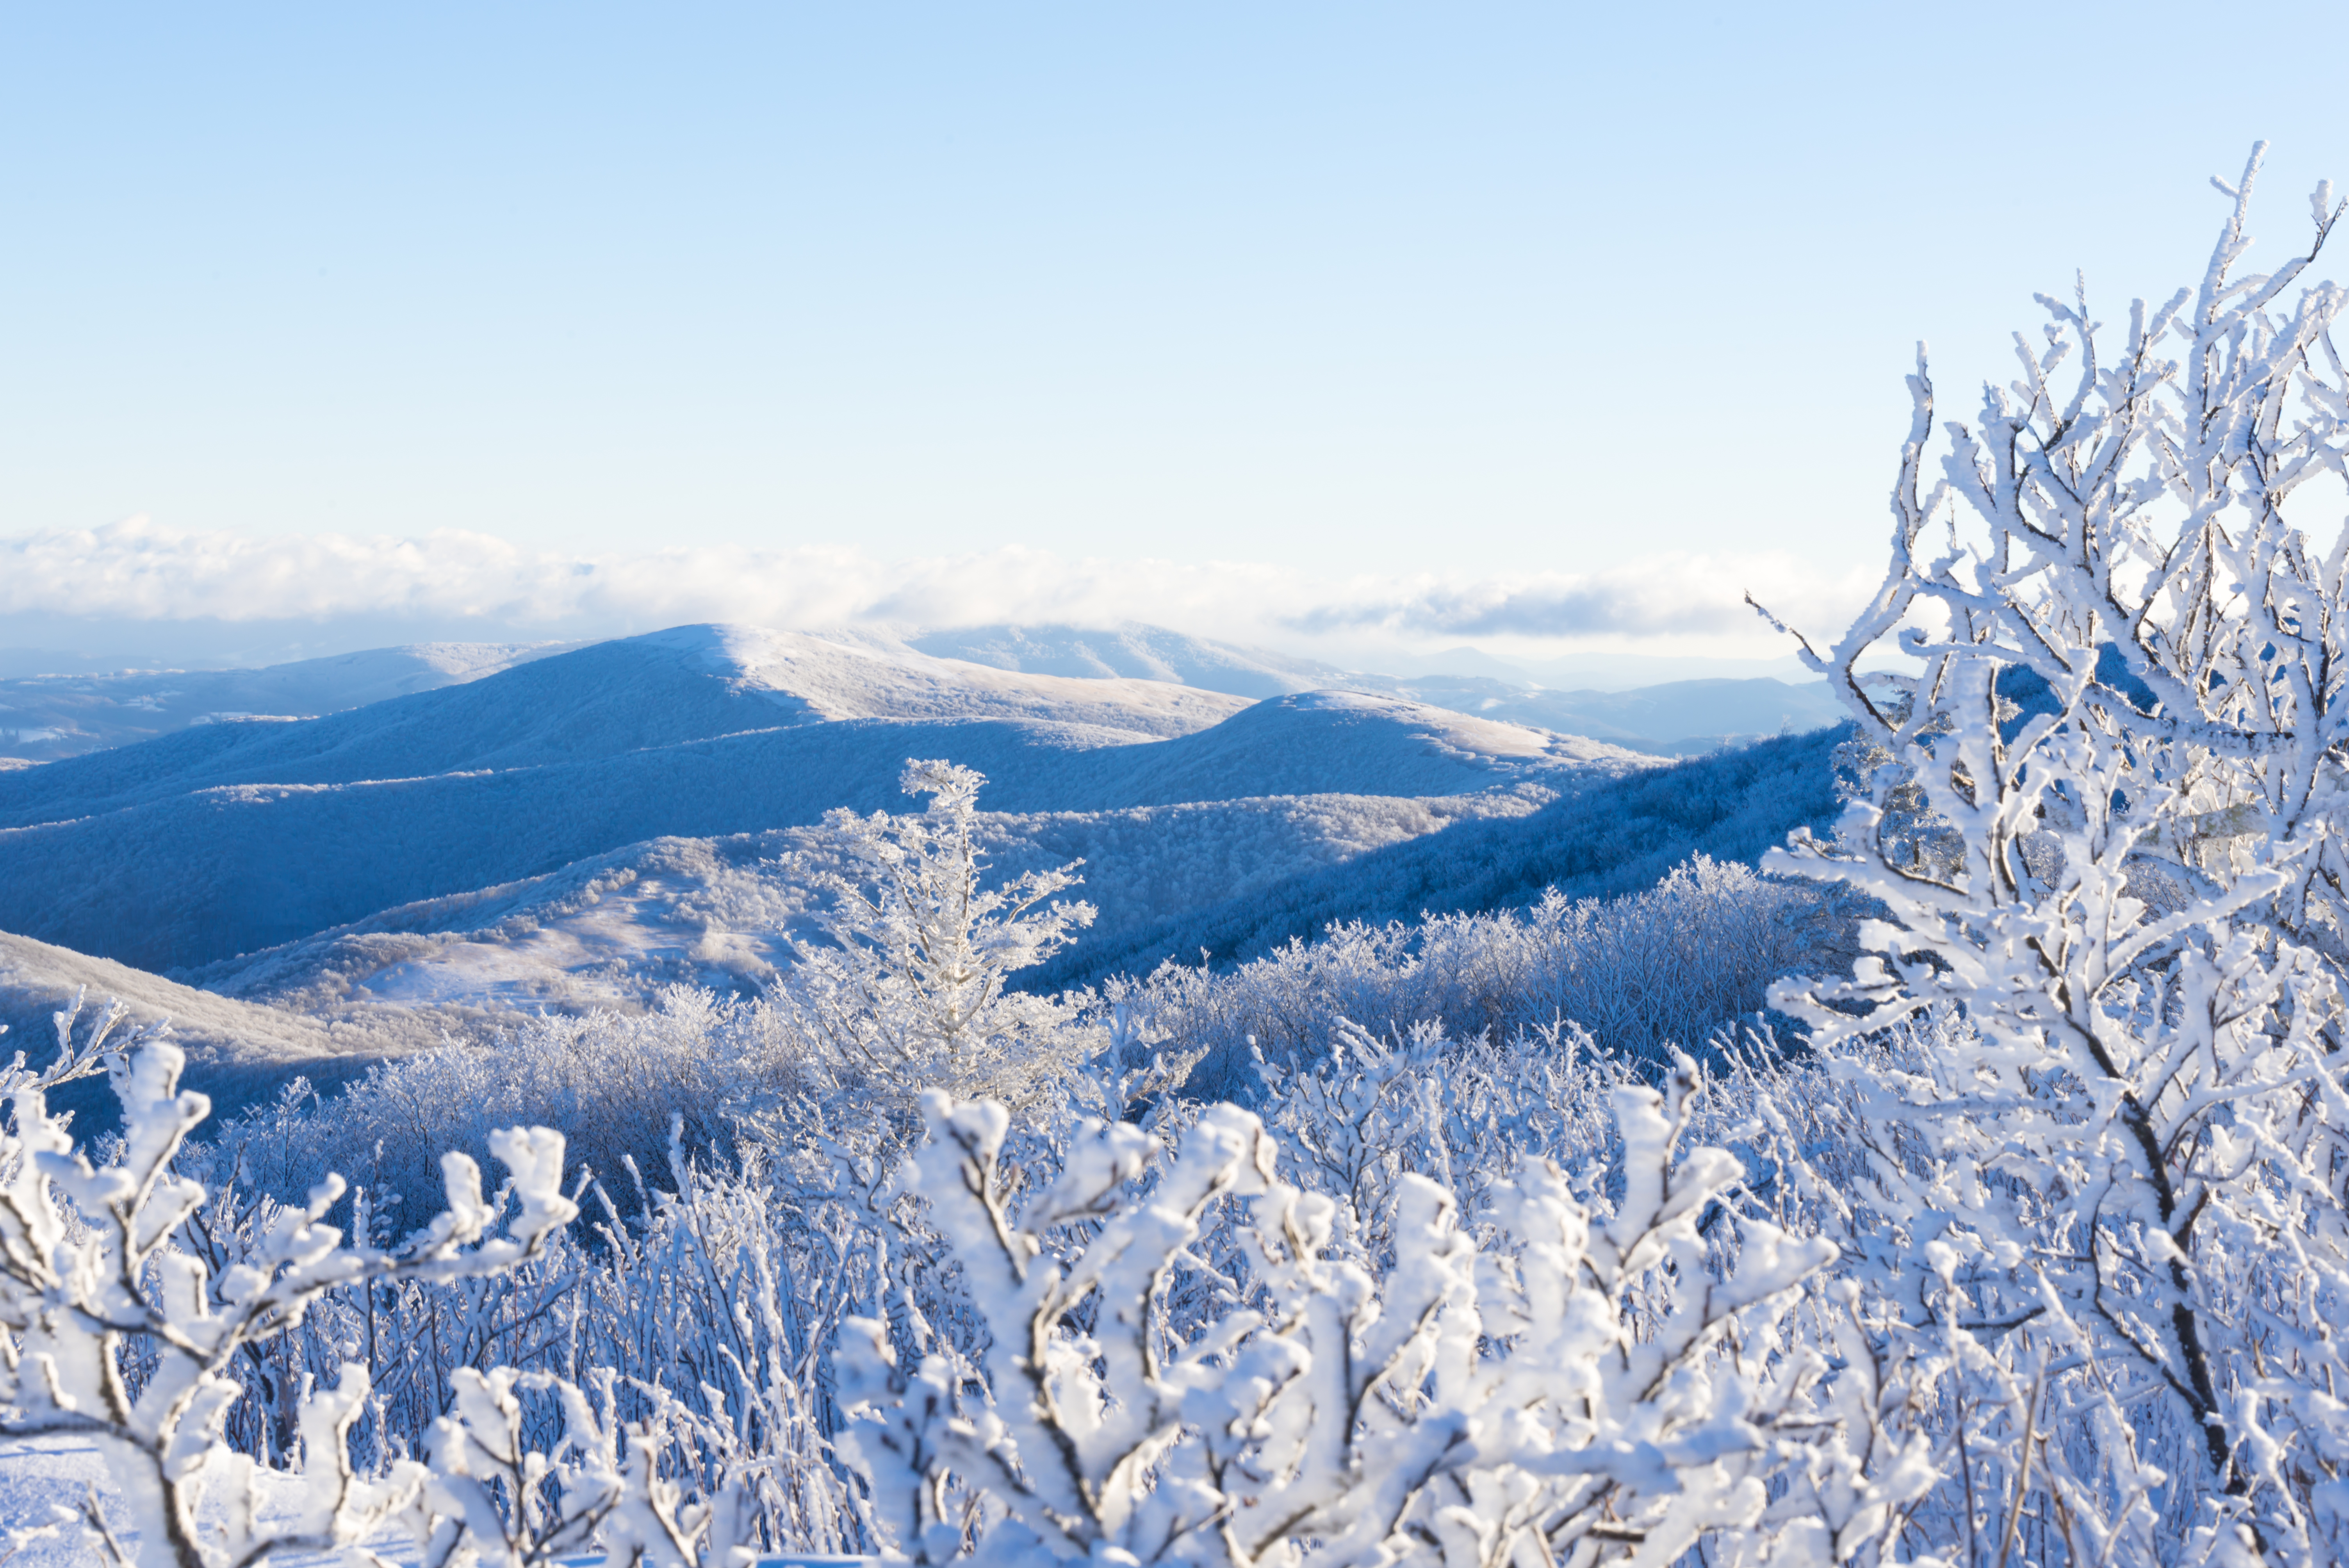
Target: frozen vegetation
<point>616,930</point>
<point>199,846</point>
<point>1966,1184</point>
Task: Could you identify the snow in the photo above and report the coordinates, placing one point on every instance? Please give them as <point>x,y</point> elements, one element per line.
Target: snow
<point>613,930</point>
<point>152,856</point>
<point>38,978</point>
<point>1142,651</point>
<point>237,1051</point>
<point>848,673</point>
<point>59,715</point>
<point>40,1476</point>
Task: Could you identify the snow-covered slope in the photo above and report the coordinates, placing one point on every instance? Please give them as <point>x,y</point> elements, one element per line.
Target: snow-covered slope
<point>689,683</point>
<point>190,878</point>
<point>238,1052</point>
<point>1134,651</point>
<point>614,929</point>
<point>1616,836</point>
<point>852,673</point>
<point>1350,743</point>
<point>1672,718</point>
<point>45,717</point>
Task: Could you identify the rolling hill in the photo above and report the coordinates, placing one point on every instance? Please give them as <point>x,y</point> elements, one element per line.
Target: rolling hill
<point>580,827</point>
<point>195,847</point>
<point>1616,836</point>
<point>691,682</point>
<point>238,1052</point>
<point>45,717</point>
<point>613,930</point>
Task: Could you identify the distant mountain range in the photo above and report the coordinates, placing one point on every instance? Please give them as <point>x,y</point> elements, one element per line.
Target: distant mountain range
<point>229,837</point>
<point>49,717</point>
<point>73,710</point>
<point>1676,718</point>
<point>463,832</point>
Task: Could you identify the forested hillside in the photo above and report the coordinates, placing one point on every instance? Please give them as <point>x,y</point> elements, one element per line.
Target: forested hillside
<point>1615,837</point>
<point>144,856</point>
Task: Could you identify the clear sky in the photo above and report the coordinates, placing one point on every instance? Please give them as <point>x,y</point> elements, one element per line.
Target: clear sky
<point>1474,290</point>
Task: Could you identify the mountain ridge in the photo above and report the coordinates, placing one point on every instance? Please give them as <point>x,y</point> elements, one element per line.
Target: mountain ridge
<point>176,880</point>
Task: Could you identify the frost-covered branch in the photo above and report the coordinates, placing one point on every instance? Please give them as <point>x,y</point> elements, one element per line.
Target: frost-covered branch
<point>2103,826</point>
<point>1573,1390</point>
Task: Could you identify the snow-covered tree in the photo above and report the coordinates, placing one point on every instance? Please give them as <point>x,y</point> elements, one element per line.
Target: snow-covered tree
<point>1550,1386</point>
<point>909,989</point>
<point>2098,1118</point>
<point>122,1329</point>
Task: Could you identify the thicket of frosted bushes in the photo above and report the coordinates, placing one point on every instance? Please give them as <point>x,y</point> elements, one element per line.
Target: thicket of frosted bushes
<point>2037,1251</point>
<point>1638,973</point>
<point>1606,839</point>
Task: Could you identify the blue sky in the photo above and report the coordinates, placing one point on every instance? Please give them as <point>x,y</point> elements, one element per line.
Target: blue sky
<point>1475,291</point>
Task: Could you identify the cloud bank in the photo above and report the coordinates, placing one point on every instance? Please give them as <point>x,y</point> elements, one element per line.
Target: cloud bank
<point>139,572</point>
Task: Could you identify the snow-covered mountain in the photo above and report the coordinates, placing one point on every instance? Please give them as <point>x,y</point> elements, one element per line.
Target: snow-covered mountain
<point>198,846</point>
<point>1134,651</point>
<point>1674,717</point>
<point>237,1051</point>
<point>613,930</point>
<point>509,829</point>
<point>48,717</point>
<point>690,682</point>
<point>840,674</point>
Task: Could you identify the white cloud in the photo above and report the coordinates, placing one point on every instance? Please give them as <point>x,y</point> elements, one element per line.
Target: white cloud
<point>139,572</point>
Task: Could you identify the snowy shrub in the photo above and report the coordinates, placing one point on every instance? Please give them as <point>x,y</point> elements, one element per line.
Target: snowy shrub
<point>613,1083</point>
<point>117,1336</point>
<point>1642,973</point>
<point>140,1310</point>
<point>2096,1186</point>
<point>1550,1385</point>
<point>910,989</point>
